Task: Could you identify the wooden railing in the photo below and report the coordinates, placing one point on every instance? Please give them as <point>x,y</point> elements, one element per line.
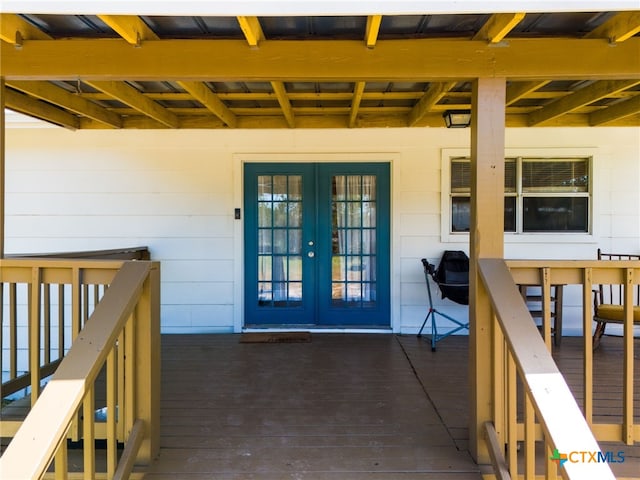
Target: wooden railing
<point>532,402</point>
<point>54,301</point>
<point>112,317</point>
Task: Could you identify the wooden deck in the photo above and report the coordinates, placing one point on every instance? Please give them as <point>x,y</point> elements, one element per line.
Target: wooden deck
<point>340,407</point>
<point>343,406</point>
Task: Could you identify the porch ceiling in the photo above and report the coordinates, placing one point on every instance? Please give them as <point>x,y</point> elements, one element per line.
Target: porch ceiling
<point>122,71</point>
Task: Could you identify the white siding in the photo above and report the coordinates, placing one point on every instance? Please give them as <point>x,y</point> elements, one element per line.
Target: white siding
<point>175,191</point>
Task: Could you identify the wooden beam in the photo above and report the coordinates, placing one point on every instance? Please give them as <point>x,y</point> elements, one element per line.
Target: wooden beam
<point>132,97</point>
<point>518,90</point>
<point>62,98</point>
<point>618,28</point>
<point>130,27</point>
<point>358,91</point>
<point>252,30</point>
<point>365,120</point>
<point>14,29</point>
<point>498,26</point>
<point>285,104</point>
<point>435,92</point>
<point>210,100</point>
<point>373,27</point>
<point>322,61</point>
<point>616,112</point>
<point>592,93</point>
<point>39,109</point>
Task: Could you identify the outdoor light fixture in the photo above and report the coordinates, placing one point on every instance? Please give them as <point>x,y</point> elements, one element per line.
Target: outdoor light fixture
<point>457,118</point>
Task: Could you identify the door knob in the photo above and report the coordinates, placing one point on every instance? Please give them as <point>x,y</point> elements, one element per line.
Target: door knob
<point>311,254</point>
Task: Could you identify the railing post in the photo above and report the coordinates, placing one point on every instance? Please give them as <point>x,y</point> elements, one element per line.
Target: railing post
<point>34,332</point>
<point>627,409</point>
<point>147,335</point>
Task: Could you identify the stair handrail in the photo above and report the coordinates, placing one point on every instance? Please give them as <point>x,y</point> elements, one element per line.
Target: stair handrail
<point>560,417</point>
<point>43,432</point>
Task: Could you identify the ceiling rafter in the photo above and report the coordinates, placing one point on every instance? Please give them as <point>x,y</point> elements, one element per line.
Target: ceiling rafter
<point>252,30</point>
<point>304,111</point>
<point>498,26</point>
<point>14,29</point>
<point>130,96</point>
<point>22,103</point>
<point>266,96</point>
<point>515,92</point>
<point>592,93</point>
<point>519,90</point>
<point>285,104</point>
<point>618,28</point>
<point>358,92</point>
<point>130,27</point>
<point>58,96</point>
<point>615,112</point>
<point>373,28</point>
<point>210,100</point>
<point>432,96</point>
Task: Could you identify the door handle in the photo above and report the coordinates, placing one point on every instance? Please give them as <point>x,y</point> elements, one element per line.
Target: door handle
<point>311,254</point>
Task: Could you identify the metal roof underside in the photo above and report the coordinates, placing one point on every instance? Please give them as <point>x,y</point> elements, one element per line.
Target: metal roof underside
<point>122,71</point>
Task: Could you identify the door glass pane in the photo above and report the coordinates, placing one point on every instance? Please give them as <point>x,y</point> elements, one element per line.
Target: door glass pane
<point>369,241</point>
<point>368,187</point>
<point>279,240</point>
<point>295,187</point>
<point>295,214</point>
<point>295,269</point>
<point>353,241</point>
<point>338,269</point>
<point>355,218</point>
<point>295,241</point>
<point>264,214</point>
<point>369,214</point>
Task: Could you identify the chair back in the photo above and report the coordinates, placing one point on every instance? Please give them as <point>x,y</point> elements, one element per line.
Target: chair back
<point>452,276</point>
<point>614,294</point>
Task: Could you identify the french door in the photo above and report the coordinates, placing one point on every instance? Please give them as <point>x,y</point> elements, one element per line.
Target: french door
<point>317,244</point>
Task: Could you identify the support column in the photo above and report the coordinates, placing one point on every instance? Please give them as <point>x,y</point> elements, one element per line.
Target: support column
<point>486,241</point>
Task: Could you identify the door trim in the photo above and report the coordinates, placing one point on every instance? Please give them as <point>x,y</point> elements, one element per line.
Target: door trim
<point>240,158</point>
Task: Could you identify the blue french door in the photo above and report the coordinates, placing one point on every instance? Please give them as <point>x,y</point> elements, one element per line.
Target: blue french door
<point>317,244</point>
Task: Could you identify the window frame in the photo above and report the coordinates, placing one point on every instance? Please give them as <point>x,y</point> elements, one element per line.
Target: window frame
<point>519,236</point>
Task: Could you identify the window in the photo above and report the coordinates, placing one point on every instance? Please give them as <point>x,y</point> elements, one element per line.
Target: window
<point>547,195</point>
